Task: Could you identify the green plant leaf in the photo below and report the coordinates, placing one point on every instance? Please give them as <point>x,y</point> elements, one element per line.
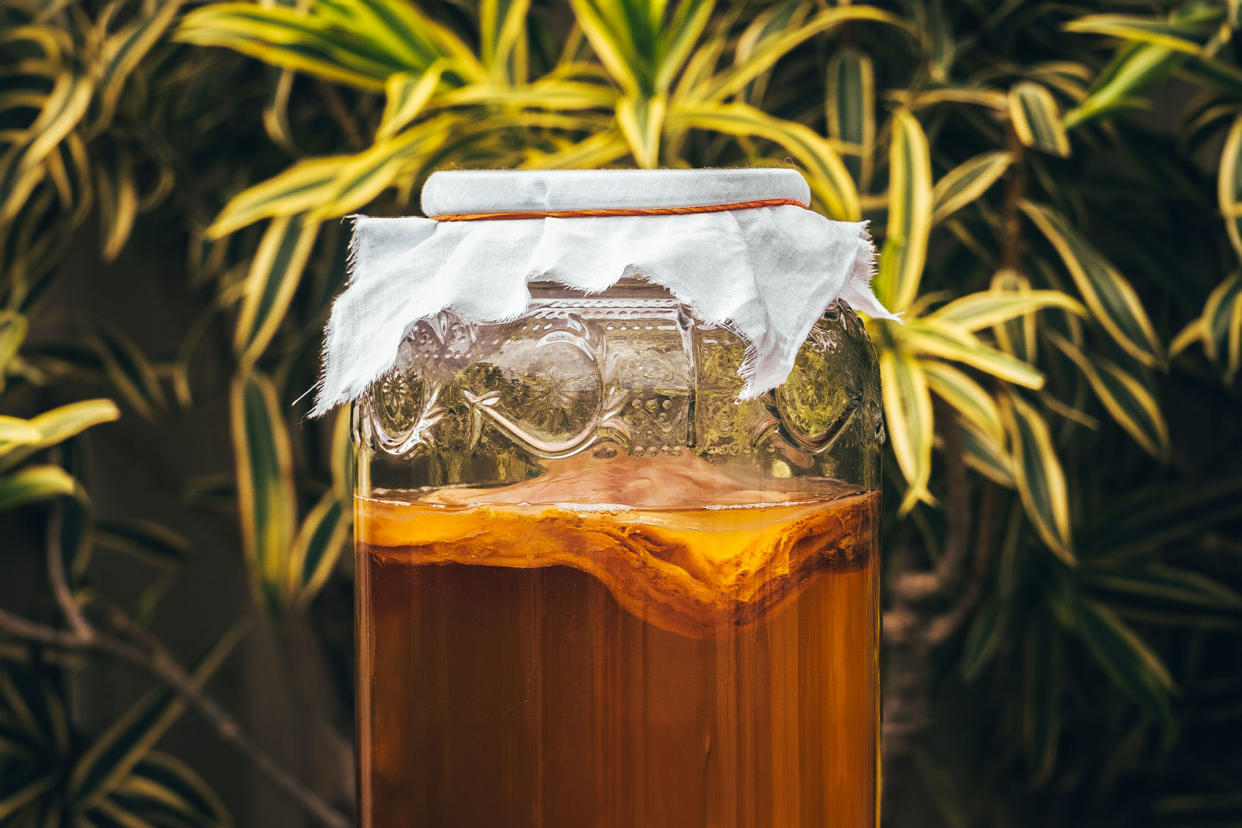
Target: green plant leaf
<point>407,95</point>
<point>965,395</point>
<point>1128,400</point>
<point>933,338</point>
<point>1033,113</point>
<point>23,788</point>
<point>827,174</point>
<point>909,213</point>
<point>641,120</point>
<point>130,372</point>
<point>908,412</point>
<point>317,43</point>
<point>170,788</point>
<point>318,545</point>
<point>17,430</point>
<point>967,182</point>
<point>983,309</point>
<point>123,50</point>
<point>985,454</point>
<point>275,273</point>
<point>265,492</point>
<point>58,425</point>
<point>502,31</point>
<point>1128,662</point>
<point>1134,68</point>
<point>303,186</point>
<point>143,539</point>
<point>1038,473</point>
<point>1229,184</point>
<point>116,192</point>
<point>1170,34</point>
<point>12,334</point>
<point>108,761</point>
<point>987,632</point>
<point>765,55</point>
<point>21,164</point>
<point>850,109</point>
<point>1112,300</point>
<point>1159,582</point>
<point>33,484</point>
<point>1042,667</point>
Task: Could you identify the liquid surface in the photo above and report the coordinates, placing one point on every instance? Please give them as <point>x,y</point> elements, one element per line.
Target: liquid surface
<point>525,662</point>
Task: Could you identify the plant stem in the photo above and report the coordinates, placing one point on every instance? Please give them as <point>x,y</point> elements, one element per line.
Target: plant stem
<point>159,663</point>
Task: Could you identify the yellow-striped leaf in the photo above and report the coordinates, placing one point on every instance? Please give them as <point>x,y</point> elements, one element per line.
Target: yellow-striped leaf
<point>1017,335</point>
<point>25,786</point>
<point>275,273</point>
<point>827,174</point>
<point>1229,184</point>
<point>12,334</point>
<point>144,540</point>
<point>967,182</point>
<point>641,120</point>
<point>406,96</point>
<point>986,454</point>
<point>908,412</point>
<point>1038,473</point>
<point>1113,302</point>
<point>1124,657</point>
<point>1033,113</point>
<point>129,371</point>
<point>938,339</point>
<point>17,430</point>
<point>33,484</point>
<point>317,546</point>
<point>1127,399</point>
<point>21,165</point>
<point>765,55</point>
<point>286,37</point>
<point>965,95</point>
<point>984,308</point>
<point>110,758</point>
<point>1134,68</point>
<point>1170,34</point>
<point>167,784</point>
<point>399,31</point>
<point>117,192</point>
<point>909,213</point>
<point>302,187</point>
<point>1042,667</point>
<point>502,27</point>
<point>122,51</point>
<point>266,495</point>
<point>58,425</point>
<point>968,397</point>
<point>598,150</point>
<point>372,171</point>
<point>850,109</point>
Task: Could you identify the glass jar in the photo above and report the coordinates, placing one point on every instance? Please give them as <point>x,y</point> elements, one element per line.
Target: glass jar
<point>597,588</point>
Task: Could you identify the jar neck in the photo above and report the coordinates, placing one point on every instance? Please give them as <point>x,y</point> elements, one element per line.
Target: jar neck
<point>625,288</point>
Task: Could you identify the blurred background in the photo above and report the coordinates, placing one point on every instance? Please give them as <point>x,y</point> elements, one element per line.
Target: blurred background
<point>1056,190</point>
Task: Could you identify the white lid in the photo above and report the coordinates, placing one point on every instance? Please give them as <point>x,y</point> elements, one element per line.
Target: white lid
<point>480,191</point>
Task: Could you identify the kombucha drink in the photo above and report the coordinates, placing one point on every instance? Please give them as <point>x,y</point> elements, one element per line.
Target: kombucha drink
<point>637,645</point>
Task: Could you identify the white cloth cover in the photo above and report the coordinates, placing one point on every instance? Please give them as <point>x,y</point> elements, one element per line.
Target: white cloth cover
<point>767,273</point>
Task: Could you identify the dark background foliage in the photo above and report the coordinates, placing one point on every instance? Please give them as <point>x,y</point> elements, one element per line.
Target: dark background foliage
<point>1055,187</point>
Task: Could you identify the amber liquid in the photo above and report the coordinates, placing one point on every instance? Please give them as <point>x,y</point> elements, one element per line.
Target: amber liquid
<point>528,665</point>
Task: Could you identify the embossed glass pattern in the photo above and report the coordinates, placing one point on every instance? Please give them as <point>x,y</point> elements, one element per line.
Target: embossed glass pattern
<point>597,588</point>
